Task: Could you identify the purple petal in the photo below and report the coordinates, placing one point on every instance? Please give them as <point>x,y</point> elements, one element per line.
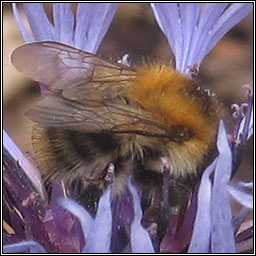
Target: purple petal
<point>122,209</point>
<point>200,242</point>
<point>32,246</point>
<point>61,242</point>
<point>31,171</point>
<point>40,25</point>
<point>62,218</point>
<point>19,196</point>
<point>100,236</point>
<point>222,234</point>
<point>140,239</point>
<point>77,237</point>
<point>170,243</point>
<point>76,209</point>
<point>92,23</point>
<point>64,23</point>
<point>26,207</point>
<point>180,227</point>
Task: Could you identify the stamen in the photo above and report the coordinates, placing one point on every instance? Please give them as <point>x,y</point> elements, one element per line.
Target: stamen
<point>110,176</point>
<point>125,60</point>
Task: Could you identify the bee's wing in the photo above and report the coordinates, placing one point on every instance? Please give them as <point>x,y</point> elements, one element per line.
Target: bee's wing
<point>75,72</point>
<point>93,117</point>
<point>83,91</point>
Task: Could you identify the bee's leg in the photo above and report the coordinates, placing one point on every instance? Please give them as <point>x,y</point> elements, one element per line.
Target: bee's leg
<point>123,168</point>
<point>152,217</point>
<point>156,202</point>
<point>165,203</point>
<point>121,204</point>
<point>175,197</point>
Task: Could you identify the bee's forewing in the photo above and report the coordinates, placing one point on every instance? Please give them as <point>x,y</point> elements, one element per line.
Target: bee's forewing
<point>55,111</point>
<point>93,116</point>
<point>86,93</point>
<point>62,67</point>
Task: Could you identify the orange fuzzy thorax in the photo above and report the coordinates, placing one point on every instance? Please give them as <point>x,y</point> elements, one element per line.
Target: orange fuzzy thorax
<point>166,95</point>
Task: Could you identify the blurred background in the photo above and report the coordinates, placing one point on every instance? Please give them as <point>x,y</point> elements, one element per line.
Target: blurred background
<point>134,31</point>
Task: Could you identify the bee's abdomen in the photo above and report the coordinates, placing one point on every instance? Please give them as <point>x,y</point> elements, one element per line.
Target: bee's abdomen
<point>67,155</point>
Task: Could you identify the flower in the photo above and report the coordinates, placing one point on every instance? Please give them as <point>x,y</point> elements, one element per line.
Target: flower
<point>62,225</point>
<point>195,28</point>
<point>84,30</point>
<point>32,218</point>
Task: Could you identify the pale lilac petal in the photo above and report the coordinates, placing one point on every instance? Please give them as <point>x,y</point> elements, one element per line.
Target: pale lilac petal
<point>32,246</point>
<point>40,25</point>
<point>239,195</point>
<point>189,18</point>
<point>169,20</point>
<point>222,235</point>
<point>86,220</point>
<point>85,30</point>
<point>193,29</point>
<point>200,241</point>
<point>250,129</point>
<point>231,16</point>
<point>209,14</point>
<point>241,127</point>
<point>92,23</point>
<point>100,235</point>
<point>140,239</point>
<point>22,26</point>
<point>244,185</point>
<point>28,168</point>
<point>64,22</point>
